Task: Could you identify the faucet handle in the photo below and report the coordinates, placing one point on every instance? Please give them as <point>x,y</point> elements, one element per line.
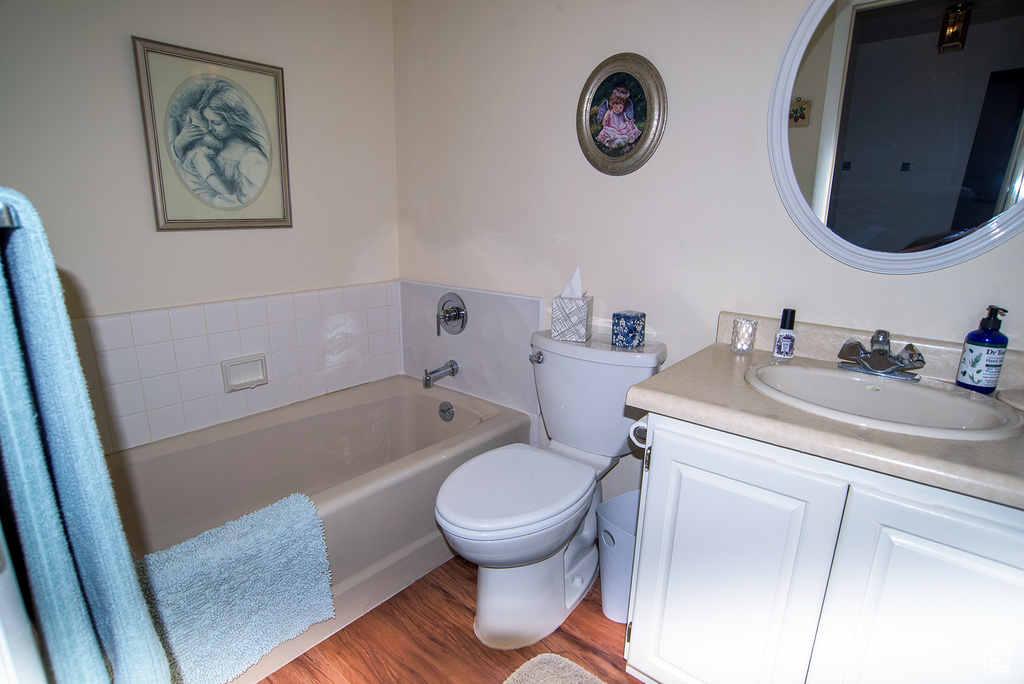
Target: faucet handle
<point>852,350</point>
<point>910,358</point>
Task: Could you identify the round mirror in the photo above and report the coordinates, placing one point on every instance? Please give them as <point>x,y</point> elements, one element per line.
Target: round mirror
<point>870,192</point>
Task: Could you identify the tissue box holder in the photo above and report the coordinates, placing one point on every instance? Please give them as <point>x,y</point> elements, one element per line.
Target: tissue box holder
<point>571,318</point>
<point>628,329</point>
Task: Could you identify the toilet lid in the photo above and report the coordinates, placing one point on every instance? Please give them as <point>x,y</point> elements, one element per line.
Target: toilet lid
<point>515,486</point>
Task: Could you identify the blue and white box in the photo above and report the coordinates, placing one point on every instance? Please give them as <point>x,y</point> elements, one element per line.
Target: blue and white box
<point>628,329</point>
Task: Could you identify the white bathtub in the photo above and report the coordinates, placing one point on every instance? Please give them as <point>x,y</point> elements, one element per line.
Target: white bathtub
<point>372,458</point>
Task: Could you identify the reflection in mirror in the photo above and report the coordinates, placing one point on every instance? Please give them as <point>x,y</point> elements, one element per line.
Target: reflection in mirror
<point>908,146</point>
<point>925,143</point>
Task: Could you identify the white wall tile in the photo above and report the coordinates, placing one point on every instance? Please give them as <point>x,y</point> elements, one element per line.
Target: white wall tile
<point>337,378</point>
<point>314,384</point>
<point>262,398</point>
<point>334,327</point>
<point>232,406</point>
<point>285,364</point>
<point>220,317</point>
<point>123,400</point>
<point>335,353</point>
<point>187,321</point>
<point>289,391</point>
<point>377,319</point>
<point>355,297</point>
<point>166,422</point>
<point>358,348</point>
<point>161,391</point>
<point>379,344</point>
<point>196,383</point>
<point>200,413</point>
<point>280,308</point>
<point>307,304</point>
<point>111,332</point>
<point>283,336</point>
<point>355,323</point>
<point>332,301</point>
<point>226,345</point>
<point>151,326</point>
<point>192,352</point>
<point>156,359</point>
<point>311,359</point>
<point>252,312</point>
<point>129,431</point>
<point>255,340</point>
<point>376,295</point>
<point>359,372</point>
<point>156,373</point>
<point>117,366</point>
<point>380,368</point>
<point>309,331</point>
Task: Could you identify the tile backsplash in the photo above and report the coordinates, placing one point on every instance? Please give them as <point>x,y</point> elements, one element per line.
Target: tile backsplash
<point>155,374</point>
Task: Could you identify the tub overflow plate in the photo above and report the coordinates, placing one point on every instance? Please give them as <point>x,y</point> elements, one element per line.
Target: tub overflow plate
<point>446,411</point>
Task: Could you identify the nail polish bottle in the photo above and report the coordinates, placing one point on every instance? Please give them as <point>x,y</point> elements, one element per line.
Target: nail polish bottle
<point>785,339</point>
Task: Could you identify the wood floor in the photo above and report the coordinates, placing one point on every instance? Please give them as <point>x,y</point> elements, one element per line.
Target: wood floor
<point>425,634</point>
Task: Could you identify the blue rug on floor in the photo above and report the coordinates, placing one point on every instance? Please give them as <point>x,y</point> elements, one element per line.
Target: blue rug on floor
<point>228,596</point>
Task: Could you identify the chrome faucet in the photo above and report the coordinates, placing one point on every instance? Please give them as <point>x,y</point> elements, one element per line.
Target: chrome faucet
<point>880,360</point>
<point>430,377</point>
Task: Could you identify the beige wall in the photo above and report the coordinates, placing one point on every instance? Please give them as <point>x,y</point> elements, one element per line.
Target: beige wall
<point>494,192</point>
<point>72,141</point>
<point>435,140</point>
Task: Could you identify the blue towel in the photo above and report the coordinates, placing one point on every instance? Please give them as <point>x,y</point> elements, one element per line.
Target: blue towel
<point>230,595</point>
<point>89,604</point>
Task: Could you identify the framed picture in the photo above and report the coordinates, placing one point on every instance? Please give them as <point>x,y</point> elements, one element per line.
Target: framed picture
<point>621,114</point>
<point>215,136</point>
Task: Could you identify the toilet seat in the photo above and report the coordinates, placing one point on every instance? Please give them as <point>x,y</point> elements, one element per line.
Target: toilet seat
<point>513,491</point>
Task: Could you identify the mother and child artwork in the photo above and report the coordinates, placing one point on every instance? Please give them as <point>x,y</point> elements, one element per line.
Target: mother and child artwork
<point>617,123</point>
<point>218,141</point>
<point>215,137</point>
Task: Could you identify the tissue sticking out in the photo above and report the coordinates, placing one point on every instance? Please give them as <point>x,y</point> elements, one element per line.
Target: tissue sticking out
<point>572,314</point>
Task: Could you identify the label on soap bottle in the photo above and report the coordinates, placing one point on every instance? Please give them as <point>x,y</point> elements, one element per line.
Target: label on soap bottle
<point>980,365</point>
<point>785,344</point>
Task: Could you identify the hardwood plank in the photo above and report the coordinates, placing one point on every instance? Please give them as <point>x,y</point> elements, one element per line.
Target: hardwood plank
<point>425,634</point>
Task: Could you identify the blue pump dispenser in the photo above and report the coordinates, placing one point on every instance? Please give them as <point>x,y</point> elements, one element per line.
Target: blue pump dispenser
<point>982,357</point>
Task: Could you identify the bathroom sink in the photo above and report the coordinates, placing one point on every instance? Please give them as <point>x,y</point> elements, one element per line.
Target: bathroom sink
<point>924,410</point>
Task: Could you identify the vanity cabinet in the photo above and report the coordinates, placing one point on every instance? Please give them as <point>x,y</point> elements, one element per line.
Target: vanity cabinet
<point>756,563</point>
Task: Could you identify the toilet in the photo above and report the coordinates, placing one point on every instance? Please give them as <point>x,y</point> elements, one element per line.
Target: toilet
<point>528,516</point>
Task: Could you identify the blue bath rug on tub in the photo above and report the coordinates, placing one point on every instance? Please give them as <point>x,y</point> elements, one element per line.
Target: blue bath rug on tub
<point>226,598</point>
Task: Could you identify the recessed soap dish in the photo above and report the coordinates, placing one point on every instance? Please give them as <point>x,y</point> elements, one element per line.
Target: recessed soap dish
<point>244,373</point>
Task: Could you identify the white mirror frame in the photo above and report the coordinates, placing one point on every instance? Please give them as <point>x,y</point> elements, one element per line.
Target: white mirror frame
<point>994,233</point>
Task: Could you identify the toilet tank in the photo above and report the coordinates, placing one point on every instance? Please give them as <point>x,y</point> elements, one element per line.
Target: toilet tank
<point>582,389</point>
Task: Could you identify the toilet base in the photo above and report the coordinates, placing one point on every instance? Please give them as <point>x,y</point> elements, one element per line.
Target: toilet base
<point>519,606</point>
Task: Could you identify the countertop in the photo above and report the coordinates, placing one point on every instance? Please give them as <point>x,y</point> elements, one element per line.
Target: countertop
<point>708,389</point>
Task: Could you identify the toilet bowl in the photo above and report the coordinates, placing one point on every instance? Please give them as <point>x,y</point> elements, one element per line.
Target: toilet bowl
<point>528,516</point>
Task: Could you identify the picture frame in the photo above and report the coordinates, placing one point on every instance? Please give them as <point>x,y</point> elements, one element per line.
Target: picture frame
<point>614,141</point>
<point>216,138</point>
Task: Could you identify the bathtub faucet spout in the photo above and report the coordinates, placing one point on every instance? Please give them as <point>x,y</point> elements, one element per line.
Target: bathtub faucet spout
<point>430,377</point>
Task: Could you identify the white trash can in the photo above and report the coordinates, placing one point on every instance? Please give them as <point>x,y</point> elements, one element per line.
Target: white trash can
<point>616,530</point>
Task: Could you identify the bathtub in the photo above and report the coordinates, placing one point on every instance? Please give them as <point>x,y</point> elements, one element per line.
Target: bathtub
<point>371,458</point>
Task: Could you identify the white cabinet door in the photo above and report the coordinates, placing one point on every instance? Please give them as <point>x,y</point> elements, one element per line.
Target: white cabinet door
<point>732,562</point>
<point>921,595</point>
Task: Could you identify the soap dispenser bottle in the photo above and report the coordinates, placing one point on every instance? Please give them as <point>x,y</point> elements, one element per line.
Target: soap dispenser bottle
<point>982,357</point>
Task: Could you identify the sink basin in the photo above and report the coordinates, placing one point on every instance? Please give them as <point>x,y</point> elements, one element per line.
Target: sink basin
<point>924,410</point>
